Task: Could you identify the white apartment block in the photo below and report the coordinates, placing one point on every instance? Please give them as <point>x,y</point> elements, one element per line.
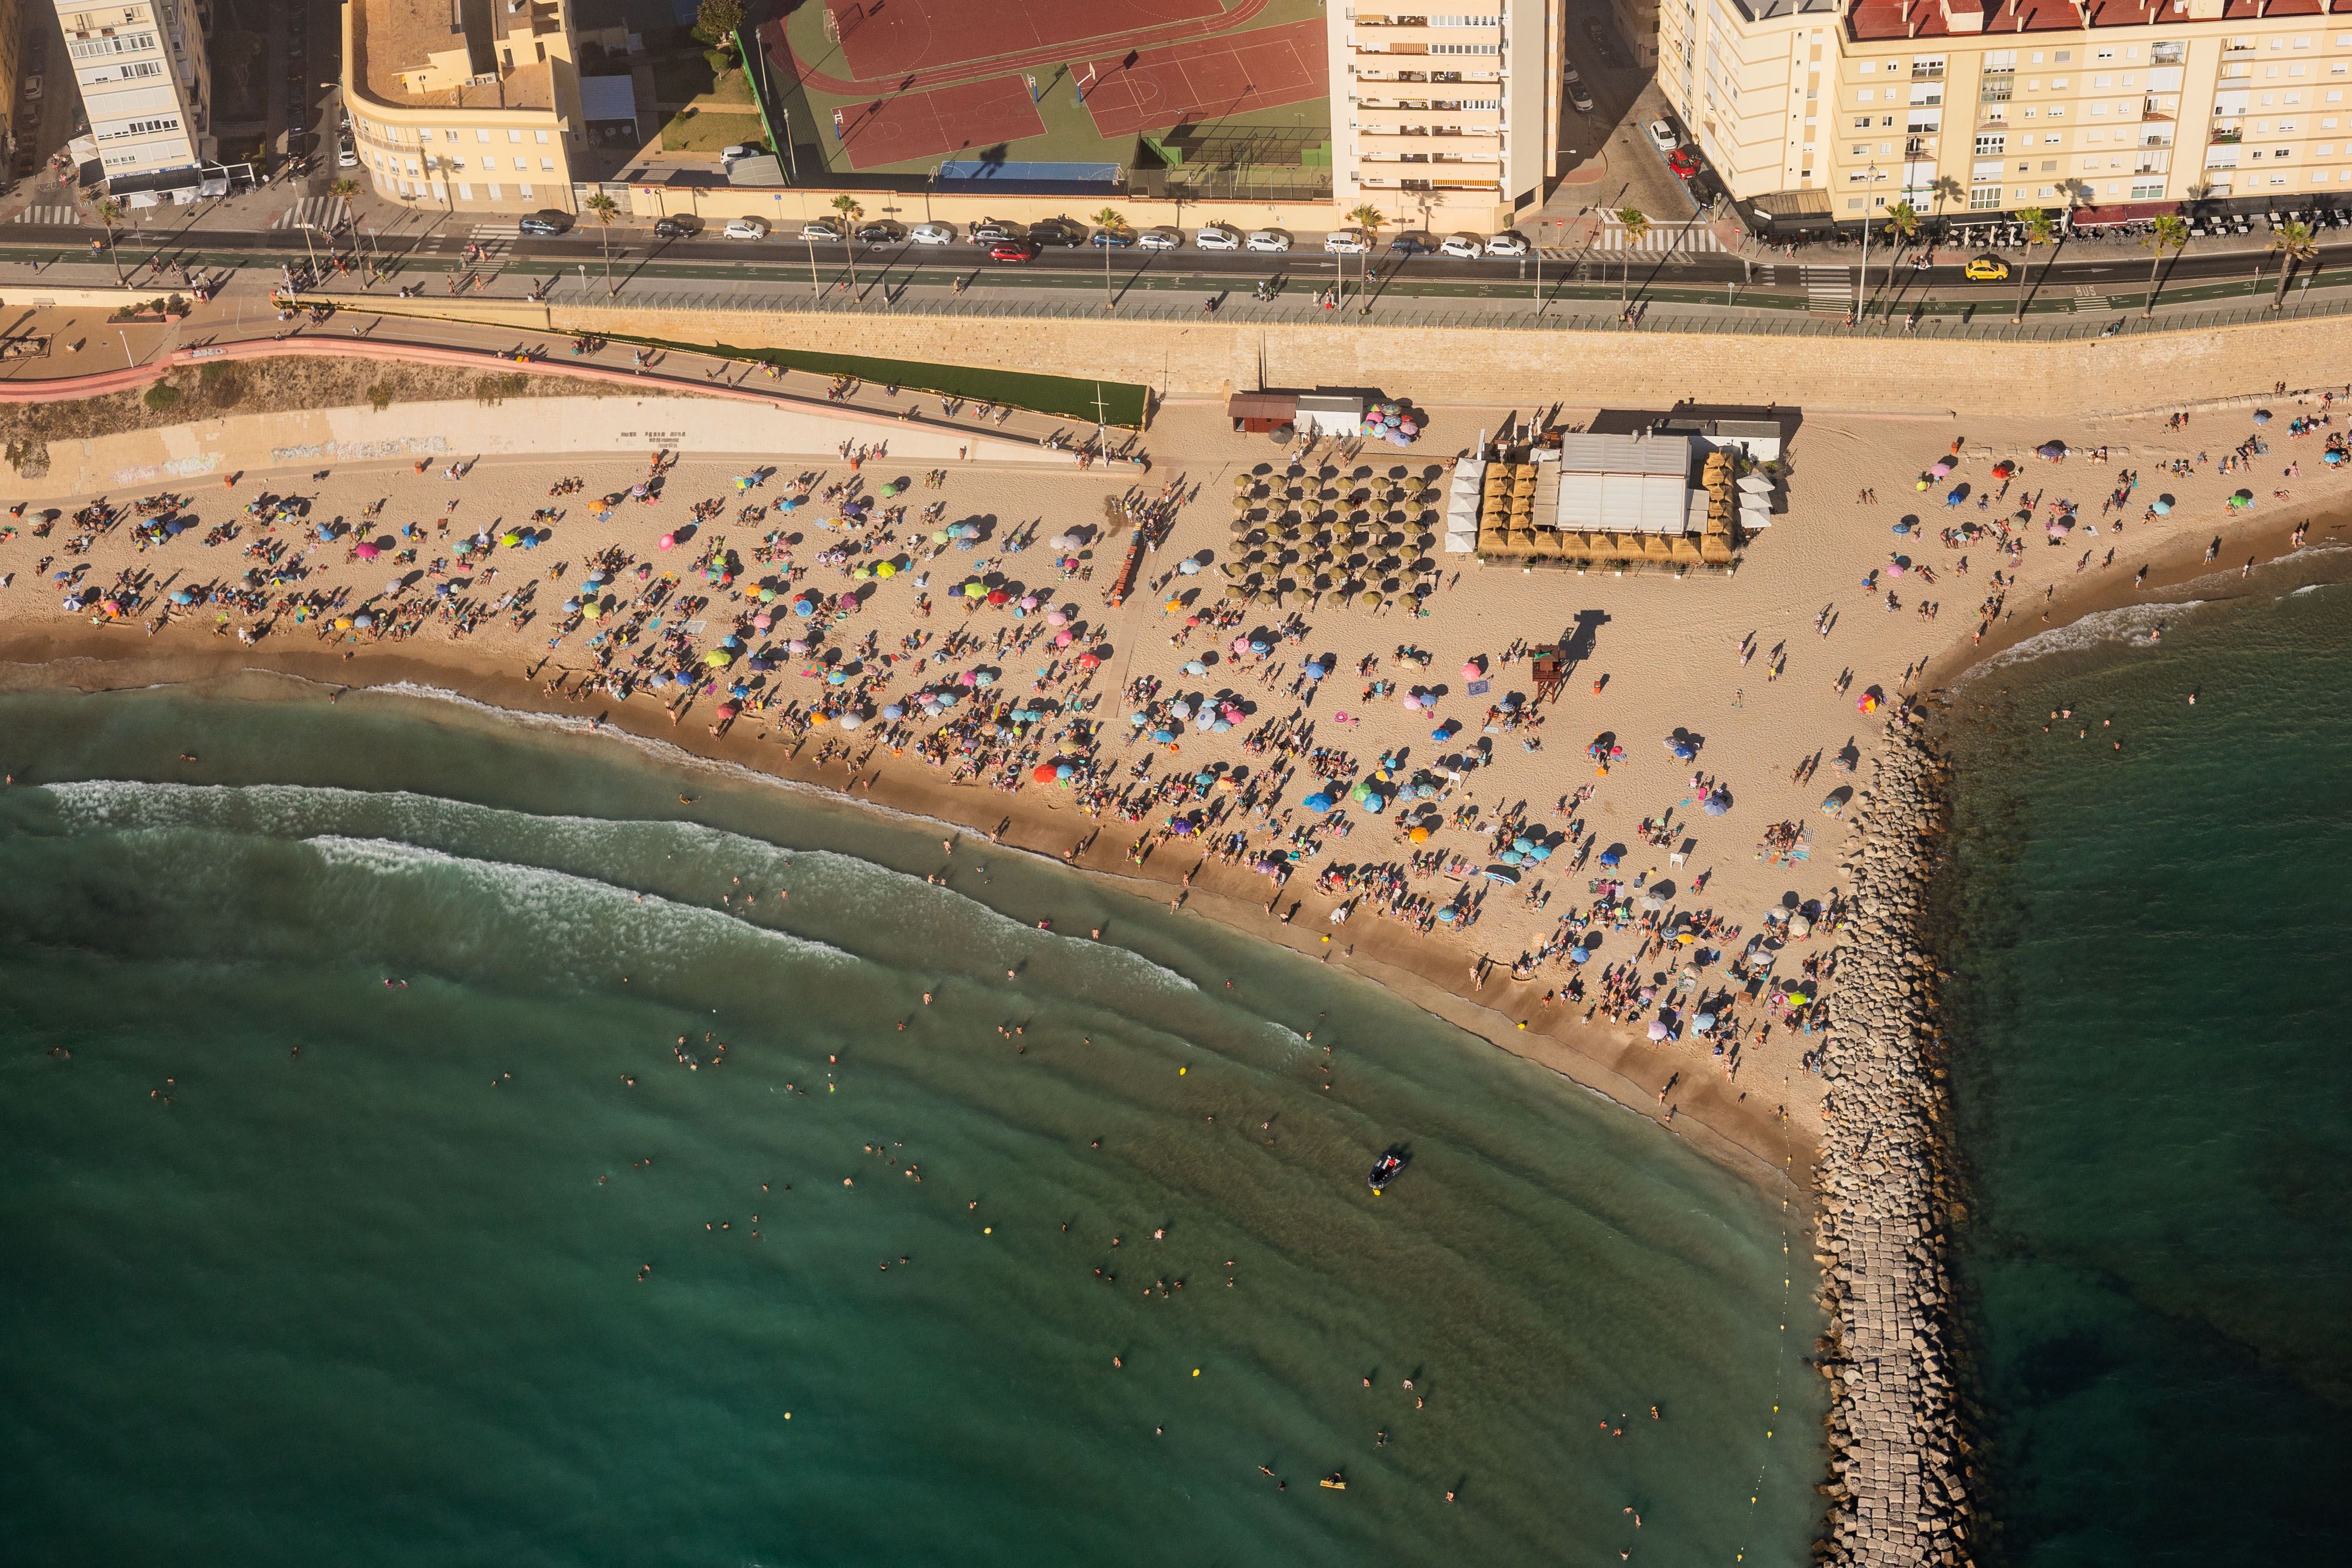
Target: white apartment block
<point>1444,120</point>
<point>1832,111</point>
<point>145,84</point>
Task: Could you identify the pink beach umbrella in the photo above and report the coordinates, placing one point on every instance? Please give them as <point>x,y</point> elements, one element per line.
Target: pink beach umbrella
<point>366,552</point>
<point>668,541</point>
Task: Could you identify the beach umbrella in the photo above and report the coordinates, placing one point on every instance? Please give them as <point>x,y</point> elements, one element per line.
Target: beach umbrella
<point>366,551</point>
<point>2003,469</point>
<point>2242,499</point>
<point>2261,416</point>
<point>1411,701</point>
<point>1511,857</point>
<point>893,710</point>
<point>804,608</point>
<point>1501,873</point>
<point>1448,916</point>
<point>1798,925</point>
<point>1317,803</point>
<point>1162,737</point>
<point>1716,804</point>
<point>1941,468</point>
<point>728,710</point>
<point>849,720</point>
<point>1179,709</point>
<point>1043,773</point>
<point>1609,857</point>
<point>715,659</point>
<point>1657,1030</point>
<point>1088,661</point>
<point>1188,567</point>
<point>1180,826</point>
<point>730,641</point>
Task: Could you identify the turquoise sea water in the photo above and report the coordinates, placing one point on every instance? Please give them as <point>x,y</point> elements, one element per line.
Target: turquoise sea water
<point>306,1267</point>
<point>2153,1088</point>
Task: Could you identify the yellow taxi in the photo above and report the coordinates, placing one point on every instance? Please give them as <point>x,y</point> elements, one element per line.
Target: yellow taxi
<point>1986,269</point>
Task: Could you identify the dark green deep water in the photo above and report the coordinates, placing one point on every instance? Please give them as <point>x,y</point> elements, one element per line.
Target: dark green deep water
<point>379,1302</point>
<point>2153,1084</point>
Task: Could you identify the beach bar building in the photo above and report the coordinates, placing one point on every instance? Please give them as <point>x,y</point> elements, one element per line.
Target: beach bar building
<point>1598,500</point>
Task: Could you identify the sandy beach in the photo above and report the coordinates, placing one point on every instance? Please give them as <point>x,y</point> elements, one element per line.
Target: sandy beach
<point>1761,672</point>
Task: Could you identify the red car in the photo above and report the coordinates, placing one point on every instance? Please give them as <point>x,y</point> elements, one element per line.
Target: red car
<point>1013,250</point>
<point>1682,163</point>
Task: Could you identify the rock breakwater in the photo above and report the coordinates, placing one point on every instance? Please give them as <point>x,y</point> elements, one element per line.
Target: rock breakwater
<point>1899,1474</point>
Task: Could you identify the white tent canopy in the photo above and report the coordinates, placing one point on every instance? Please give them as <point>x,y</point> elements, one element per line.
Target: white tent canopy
<point>1625,483</point>
<point>1462,507</point>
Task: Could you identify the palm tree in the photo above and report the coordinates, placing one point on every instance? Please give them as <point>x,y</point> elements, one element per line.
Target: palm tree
<point>846,206</point>
<point>2293,243</point>
<point>1368,218</point>
<point>1902,227</point>
<point>2169,232</point>
<point>604,209</point>
<point>2039,230</point>
<point>1110,220</point>
<point>1636,224</point>
<point>110,215</point>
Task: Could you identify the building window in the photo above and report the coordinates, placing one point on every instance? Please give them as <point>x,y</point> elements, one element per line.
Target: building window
<point>542,136</point>
<point>514,136</point>
<point>1986,146</point>
<point>2147,191</point>
<point>524,192</point>
<point>547,166</point>
<point>1984,198</point>
<point>493,190</point>
<point>465,192</point>
<point>481,136</point>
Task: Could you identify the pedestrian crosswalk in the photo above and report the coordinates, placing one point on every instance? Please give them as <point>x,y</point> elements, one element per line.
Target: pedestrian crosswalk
<point>315,212</point>
<point>1829,290</point>
<point>57,218</point>
<point>1660,239</point>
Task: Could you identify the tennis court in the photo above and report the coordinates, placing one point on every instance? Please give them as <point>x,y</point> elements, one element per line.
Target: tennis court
<point>1151,89</point>
<point>944,120</point>
<point>891,38</point>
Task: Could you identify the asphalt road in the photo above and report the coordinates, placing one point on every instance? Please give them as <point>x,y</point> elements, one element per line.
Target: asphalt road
<point>2078,270</point>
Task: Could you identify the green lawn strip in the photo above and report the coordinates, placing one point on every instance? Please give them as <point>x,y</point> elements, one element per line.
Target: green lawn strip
<point>1123,402</point>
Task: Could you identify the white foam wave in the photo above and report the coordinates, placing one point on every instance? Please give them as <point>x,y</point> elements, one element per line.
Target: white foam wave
<point>2127,623</point>
<point>557,904</point>
<point>860,892</point>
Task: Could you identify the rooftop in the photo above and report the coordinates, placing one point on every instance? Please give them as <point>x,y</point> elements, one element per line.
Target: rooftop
<point>455,54</point>
<point>1876,20</point>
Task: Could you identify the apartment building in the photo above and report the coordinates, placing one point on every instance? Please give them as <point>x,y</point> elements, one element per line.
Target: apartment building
<point>1445,120</point>
<point>146,85</point>
<point>465,105</point>
<point>1832,111</point>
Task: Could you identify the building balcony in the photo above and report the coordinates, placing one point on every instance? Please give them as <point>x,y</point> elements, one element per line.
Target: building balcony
<point>2222,138</point>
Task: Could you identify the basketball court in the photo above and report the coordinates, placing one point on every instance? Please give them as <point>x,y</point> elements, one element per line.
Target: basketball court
<point>883,38</point>
<point>945,119</point>
<point>1151,89</point>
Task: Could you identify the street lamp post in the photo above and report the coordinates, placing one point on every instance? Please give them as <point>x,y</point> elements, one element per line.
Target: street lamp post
<point>1862,282</point>
<point>127,361</point>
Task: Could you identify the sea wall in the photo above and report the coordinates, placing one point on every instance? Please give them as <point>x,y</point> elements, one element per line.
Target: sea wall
<point>1900,1480</point>
<point>2064,382</point>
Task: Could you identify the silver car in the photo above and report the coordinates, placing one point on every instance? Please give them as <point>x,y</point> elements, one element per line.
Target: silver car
<point>932,233</point>
<point>1272,240</point>
<point>1160,239</point>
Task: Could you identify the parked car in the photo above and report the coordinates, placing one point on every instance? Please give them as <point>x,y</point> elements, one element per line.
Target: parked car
<point>1346,241</point>
<point>1216,236</point>
<point>1462,247</point>
<point>1013,250</point>
<point>1579,98</point>
<point>1509,244</point>
<point>1057,231</point>
<point>822,230</point>
<point>932,233</point>
<point>676,228</point>
<point>542,224</point>
<point>881,231</point>
<point>1662,136</point>
<point>746,228</point>
<point>739,151</point>
<point>1413,242</point>
<point>33,88</point>
<point>347,156</point>
<point>1111,239</point>
<point>1681,161</point>
<point>1160,239</point>
<point>1270,240</point>
<point>988,231</point>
